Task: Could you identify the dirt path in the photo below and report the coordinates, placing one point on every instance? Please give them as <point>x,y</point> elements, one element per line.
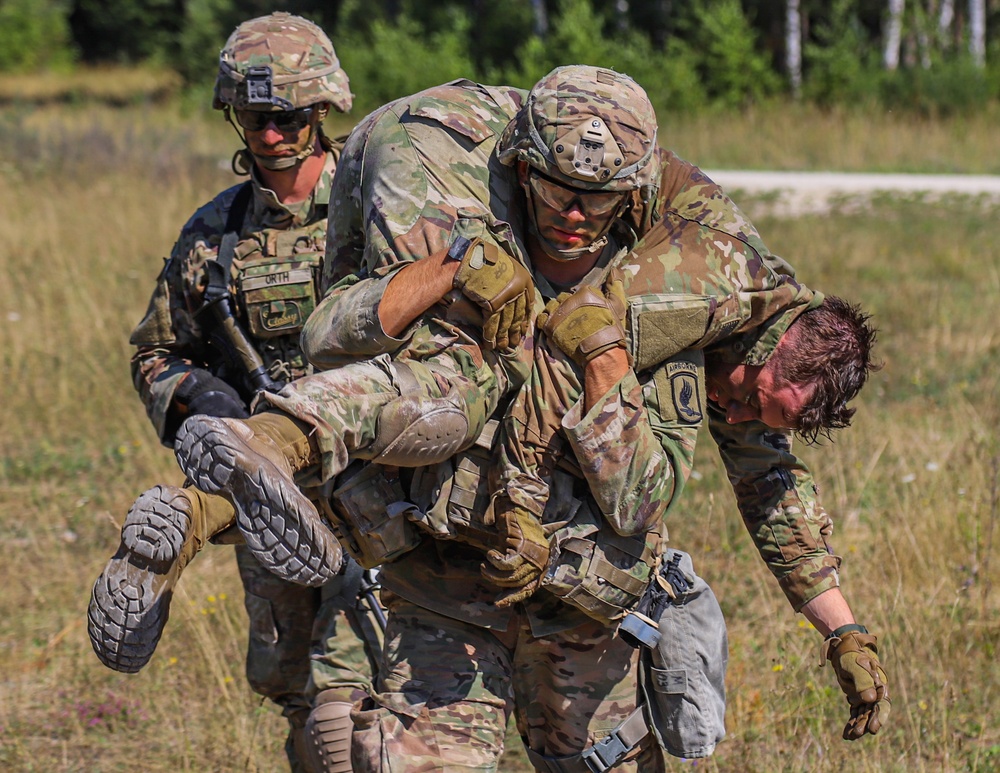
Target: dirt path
<point>796,193</point>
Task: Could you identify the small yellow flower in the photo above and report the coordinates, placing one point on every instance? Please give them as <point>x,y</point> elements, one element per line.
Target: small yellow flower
<point>222,597</point>
<point>172,662</point>
<point>228,680</point>
<point>777,667</point>
<point>923,705</point>
<point>204,611</point>
<point>211,599</point>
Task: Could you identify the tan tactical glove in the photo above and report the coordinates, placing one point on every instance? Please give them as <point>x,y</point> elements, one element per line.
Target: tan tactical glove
<point>521,566</point>
<point>854,655</point>
<point>587,323</point>
<point>500,285</point>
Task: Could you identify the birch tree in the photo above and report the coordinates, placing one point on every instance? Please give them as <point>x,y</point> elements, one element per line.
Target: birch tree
<point>945,18</point>
<point>893,34</point>
<point>793,46</point>
<point>541,18</point>
<point>977,31</point>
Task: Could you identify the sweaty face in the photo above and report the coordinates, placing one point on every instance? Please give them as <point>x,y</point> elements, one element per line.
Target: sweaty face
<point>751,392</point>
<point>569,218</point>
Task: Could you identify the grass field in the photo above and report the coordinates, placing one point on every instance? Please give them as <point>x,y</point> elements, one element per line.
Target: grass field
<point>92,200</point>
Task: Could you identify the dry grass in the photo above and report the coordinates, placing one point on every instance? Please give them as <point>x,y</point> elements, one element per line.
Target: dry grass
<point>108,85</point>
<point>795,137</point>
<point>93,200</point>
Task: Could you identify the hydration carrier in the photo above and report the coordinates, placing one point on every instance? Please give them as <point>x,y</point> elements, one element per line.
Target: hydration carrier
<point>682,668</point>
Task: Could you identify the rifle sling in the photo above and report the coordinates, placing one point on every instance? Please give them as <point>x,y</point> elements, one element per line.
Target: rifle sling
<point>218,281</point>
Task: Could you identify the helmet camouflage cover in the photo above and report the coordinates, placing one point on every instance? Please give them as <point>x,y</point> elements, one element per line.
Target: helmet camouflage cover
<point>587,127</point>
<point>282,61</point>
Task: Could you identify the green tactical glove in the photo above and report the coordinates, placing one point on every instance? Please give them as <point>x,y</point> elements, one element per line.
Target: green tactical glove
<point>854,656</point>
<point>521,566</point>
<point>500,285</point>
<point>587,323</point>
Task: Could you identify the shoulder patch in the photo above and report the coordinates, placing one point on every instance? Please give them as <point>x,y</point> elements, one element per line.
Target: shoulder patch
<point>684,392</point>
<point>680,388</point>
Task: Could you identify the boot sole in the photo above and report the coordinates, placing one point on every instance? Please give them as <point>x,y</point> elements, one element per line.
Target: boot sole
<point>280,525</point>
<point>130,601</point>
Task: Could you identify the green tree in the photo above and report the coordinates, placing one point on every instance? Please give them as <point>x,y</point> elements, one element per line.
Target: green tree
<point>838,61</point>
<point>34,35</point>
<point>580,35</point>
<point>390,60</point>
<point>127,31</point>
<point>734,69</point>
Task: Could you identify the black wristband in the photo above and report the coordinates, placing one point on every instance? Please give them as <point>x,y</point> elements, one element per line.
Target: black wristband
<point>849,628</point>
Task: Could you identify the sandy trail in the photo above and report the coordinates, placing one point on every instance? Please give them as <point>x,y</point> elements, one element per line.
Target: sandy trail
<point>797,193</point>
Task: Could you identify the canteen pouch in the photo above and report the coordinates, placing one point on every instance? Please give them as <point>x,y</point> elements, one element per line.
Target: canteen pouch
<point>682,678</point>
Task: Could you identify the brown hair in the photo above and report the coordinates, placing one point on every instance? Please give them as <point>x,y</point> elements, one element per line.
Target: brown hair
<point>829,347</point>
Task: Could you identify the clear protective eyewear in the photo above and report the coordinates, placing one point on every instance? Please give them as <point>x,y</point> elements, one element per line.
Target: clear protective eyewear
<point>285,121</point>
<point>561,197</point>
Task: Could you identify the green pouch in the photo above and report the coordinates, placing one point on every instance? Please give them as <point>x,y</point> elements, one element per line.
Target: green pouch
<point>661,325</point>
<point>597,570</point>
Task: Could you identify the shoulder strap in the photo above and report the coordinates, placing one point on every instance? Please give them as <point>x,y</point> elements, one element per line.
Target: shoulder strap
<point>603,755</point>
<point>234,222</point>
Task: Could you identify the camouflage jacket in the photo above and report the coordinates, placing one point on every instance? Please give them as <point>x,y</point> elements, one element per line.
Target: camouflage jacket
<point>444,576</point>
<point>274,277</point>
<point>415,176</point>
<point>689,285</point>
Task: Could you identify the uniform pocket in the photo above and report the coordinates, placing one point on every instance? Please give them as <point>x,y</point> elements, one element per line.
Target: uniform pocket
<point>279,294</point>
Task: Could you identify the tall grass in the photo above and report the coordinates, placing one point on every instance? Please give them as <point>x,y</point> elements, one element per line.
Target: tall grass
<point>92,201</point>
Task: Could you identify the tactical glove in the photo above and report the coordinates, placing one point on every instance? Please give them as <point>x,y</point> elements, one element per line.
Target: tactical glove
<point>500,285</point>
<point>587,323</point>
<point>854,656</point>
<point>202,393</point>
<point>521,566</point>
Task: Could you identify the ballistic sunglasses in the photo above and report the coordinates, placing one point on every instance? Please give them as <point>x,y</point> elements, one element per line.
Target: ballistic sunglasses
<point>561,197</point>
<point>285,121</point>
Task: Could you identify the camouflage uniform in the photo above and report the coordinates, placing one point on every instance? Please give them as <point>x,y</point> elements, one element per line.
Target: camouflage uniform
<point>690,283</point>
<point>496,659</point>
<point>435,593</point>
<point>288,622</point>
<point>408,217</point>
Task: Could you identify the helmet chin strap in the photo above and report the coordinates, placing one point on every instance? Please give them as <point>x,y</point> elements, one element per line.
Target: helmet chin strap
<point>273,163</point>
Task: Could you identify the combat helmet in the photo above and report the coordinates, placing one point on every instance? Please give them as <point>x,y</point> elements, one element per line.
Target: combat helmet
<point>588,128</point>
<point>280,60</point>
<point>274,63</point>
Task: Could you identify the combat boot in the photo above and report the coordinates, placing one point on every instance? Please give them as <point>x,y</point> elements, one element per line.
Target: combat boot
<point>252,463</point>
<point>129,605</point>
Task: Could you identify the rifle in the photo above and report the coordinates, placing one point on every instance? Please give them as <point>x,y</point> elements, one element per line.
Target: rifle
<point>368,590</point>
<point>229,336</point>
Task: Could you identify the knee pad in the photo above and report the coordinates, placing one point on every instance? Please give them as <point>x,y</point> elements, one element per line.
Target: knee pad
<point>416,431</point>
<point>328,737</point>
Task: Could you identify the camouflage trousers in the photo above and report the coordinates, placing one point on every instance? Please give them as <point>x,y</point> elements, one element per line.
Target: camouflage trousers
<point>446,690</point>
<point>345,404</point>
<point>302,641</point>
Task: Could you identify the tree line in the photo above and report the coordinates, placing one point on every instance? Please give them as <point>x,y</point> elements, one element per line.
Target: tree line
<point>924,55</point>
